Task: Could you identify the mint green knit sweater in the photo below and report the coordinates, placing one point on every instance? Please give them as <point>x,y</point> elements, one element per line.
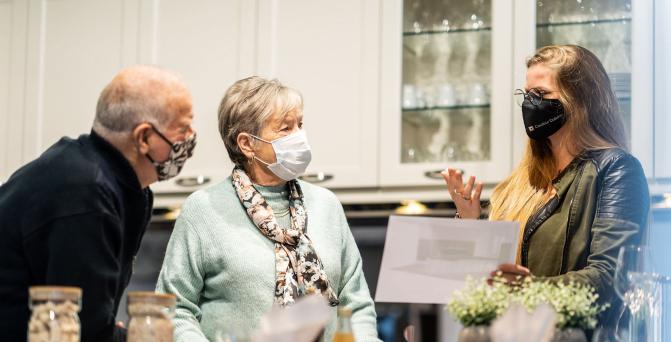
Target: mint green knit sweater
<point>222,269</point>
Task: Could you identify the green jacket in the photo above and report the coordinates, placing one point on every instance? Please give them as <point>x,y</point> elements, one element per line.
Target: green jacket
<point>602,203</point>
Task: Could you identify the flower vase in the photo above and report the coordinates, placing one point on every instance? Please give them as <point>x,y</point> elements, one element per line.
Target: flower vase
<point>474,334</point>
<point>569,335</point>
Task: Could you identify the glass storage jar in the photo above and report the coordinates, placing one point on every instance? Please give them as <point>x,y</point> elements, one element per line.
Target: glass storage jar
<point>150,316</point>
<point>54,314</point>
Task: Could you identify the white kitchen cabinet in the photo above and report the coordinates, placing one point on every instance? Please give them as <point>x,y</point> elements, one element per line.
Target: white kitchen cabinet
<point>72,50</point>
<point>75,47</point>
<point>13,26</point>
<point>446,90</point>
<point>210,43</point>
<point>425,126</point>
<point>329,51</point>
<point>326,50</point>
<point>352,61</point>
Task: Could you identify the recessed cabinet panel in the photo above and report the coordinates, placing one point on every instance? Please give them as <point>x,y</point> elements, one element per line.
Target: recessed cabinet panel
<point>74,51</point>
<point>329,51</point>
<point>202,41</point>
<point>5,67</point>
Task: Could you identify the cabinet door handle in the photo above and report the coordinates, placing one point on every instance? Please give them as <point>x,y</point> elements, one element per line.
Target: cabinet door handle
<point>435,174</point>
<point>319,177</point>
<point>192,181</point>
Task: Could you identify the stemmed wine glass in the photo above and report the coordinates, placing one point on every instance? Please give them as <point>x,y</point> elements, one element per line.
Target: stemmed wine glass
<point>606,335</point>
<point>637,285</point>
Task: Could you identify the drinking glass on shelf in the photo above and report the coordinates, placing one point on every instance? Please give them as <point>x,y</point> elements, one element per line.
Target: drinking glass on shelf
<point>423,22</point>
<point>421,98</point>
<point>473,44</point>
<point>478,94</point>
<point>617,57</point>
<point>476,19</point>
<point>409,96</point>
<point>446,95</point>
<point>637,284</point>
<point>440,66</point>
<point>443,25</point>
<point>440,137</point>
<point>577,11</point>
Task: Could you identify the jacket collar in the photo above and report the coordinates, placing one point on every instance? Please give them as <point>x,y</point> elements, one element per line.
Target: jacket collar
<point>561,183</point>
<point>120,166</point>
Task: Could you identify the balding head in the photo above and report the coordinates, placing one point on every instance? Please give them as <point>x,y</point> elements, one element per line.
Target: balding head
<point>139,94</point>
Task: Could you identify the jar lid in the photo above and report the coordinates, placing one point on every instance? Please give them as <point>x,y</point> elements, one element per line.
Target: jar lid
<point>344,311</point>
<point>163,299</point>
<point>55,293</point>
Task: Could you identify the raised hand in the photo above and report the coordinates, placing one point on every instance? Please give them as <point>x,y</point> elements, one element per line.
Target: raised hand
<point>465,197</point>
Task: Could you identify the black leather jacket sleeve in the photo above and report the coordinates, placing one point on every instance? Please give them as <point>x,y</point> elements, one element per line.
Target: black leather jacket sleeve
<point>624,190</point>
<point>621,216</point>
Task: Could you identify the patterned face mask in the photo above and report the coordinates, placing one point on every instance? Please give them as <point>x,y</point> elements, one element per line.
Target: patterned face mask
<point>179,153</point>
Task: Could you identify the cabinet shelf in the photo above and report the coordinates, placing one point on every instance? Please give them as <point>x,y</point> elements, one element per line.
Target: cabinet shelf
<point>539,25</point>
<point>455,107</point>
<point>584,23</point>
<point>443,32</point>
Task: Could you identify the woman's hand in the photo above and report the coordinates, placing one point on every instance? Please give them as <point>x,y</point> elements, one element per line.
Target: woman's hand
<point>466,198</point>
<point>511,273</point>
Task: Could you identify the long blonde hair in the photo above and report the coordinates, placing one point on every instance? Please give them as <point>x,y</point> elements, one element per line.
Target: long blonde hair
<point>592,123</point>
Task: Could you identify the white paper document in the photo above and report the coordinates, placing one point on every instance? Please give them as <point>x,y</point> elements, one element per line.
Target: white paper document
<point>425,258</point>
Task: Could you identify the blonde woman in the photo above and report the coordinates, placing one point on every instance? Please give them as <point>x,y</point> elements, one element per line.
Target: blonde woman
<point>577,193</point>
<point>262,237</point>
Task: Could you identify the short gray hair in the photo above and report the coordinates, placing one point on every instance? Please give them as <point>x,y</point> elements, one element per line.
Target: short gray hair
<point>246,106</point>
<point>135,95</point>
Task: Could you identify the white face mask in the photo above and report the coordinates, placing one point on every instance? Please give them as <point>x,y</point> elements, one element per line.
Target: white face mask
<point>292,154</point>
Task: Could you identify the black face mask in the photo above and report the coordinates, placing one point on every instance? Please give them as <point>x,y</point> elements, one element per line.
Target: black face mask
<point>544,119</point>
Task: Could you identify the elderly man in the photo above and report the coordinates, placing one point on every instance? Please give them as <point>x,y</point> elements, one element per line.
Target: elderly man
<point>76,215</point>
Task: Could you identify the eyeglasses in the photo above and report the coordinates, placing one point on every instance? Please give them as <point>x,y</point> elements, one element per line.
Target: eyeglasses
<point>534,95</point>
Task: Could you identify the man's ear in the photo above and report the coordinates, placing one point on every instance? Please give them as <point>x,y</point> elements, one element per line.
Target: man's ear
<point>246,144</point>
<point>140,137</point>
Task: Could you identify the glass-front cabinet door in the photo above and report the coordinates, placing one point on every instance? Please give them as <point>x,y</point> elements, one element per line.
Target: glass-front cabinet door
<point>620,34</point>
<point>601,26</point>
<point>445,103</point>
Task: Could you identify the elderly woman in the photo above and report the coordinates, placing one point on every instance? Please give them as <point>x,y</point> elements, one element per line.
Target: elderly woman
<point>261,237</point>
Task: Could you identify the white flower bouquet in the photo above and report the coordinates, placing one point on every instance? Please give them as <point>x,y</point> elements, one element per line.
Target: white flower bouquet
<point>575,303</point>
<point>478,304</point>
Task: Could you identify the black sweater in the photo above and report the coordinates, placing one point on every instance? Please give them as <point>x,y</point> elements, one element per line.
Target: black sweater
<point>75,216</point>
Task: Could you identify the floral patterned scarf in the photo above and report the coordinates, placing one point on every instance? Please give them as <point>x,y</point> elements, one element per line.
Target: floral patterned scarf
<point>299,271</point>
